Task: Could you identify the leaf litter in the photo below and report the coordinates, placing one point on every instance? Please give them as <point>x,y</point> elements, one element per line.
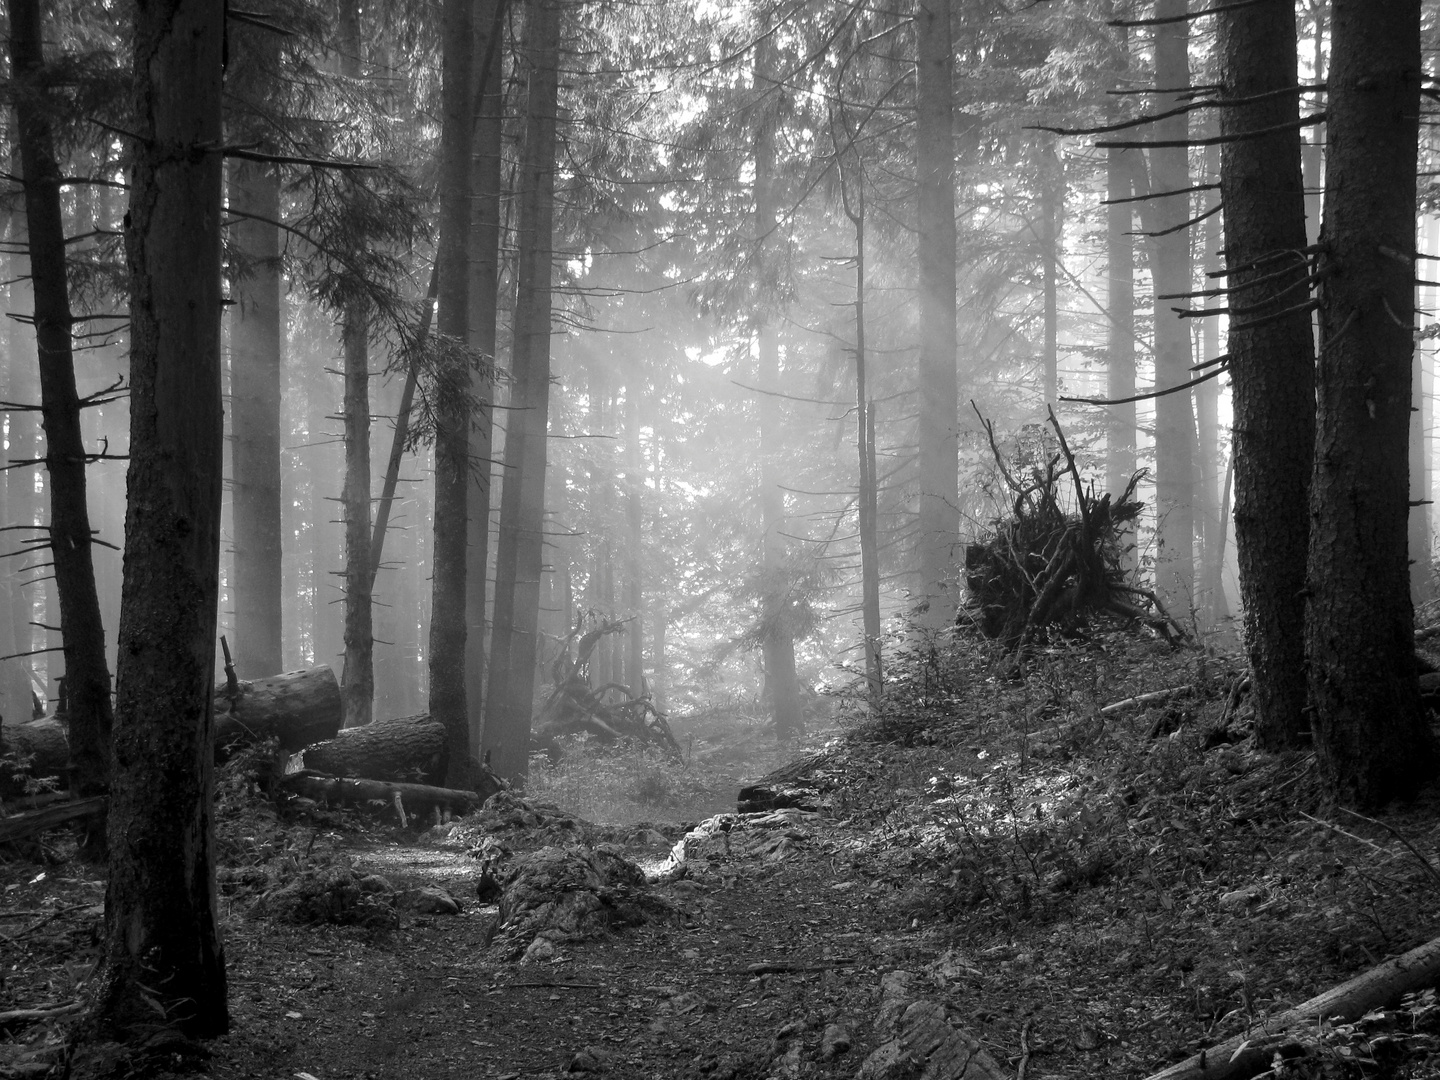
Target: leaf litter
<point>991,872</point>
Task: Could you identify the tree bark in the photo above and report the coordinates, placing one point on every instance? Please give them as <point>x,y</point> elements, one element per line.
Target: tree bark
<point>1371,737</point>
<point>485,182</point>
<point>296,707</point>
<point>87,673</point>
<point>635,539</point>
<point>452,394</point>
<point>777,641</point>
<point>1272,365</point>
<point>522,508</point>
<point>406,748</point>
<point>939,509</point>
<point>163,959</point>
<point>1421,534</point>
<point>1120,340</point>
<point>1170,272</point>
<point>358,679</point>
<point>255,330</point>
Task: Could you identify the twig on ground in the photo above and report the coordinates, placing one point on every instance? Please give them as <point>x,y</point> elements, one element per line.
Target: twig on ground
<point>1145,699</point>
<point>1024,1051</point>
<point>1429,868</point>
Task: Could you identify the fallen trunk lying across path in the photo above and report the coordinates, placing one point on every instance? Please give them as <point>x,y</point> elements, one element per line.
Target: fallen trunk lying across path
<point>1251,1052</point>
<point>407,748</point>
<point>414,797</point>
<point>297,707</point>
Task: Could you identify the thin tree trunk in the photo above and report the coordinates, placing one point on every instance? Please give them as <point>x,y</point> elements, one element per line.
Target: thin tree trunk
<point>1271,364</point>
<point>452,397</point>
<point>1420,537</point>
<point>255,332</point>
<point>866,497</point>
<point>1370,731</point>
<point>357,680</point>
<point>1170,272</point>
<point>939,510</point>
<point>1207,423</point>
<point>635,542</point>
<point>519,554</point>
<point>1052,201</point>
<point>163,956</point>
<point>484,316</point>
<point>1120,344</point>
<point>87,674</point>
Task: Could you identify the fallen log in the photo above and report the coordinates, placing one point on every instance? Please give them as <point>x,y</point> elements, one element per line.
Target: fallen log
<point>36,821</point>
<point>407,748</point>
<point>44,742</point>
<point>1250,1053</point>
<point>297,707</point>
<point>414,797</point>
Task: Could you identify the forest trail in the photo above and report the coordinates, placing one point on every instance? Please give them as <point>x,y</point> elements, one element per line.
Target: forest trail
<point>1087,893</point>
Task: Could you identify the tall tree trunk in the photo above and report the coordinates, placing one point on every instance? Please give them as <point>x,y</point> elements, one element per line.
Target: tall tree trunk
<point>1170,272</point>
<point>939,471</point>
<point>484,316</point>
<point>87,674</point>
<point>1372,740</point>
<point>357,680</point>
<point>1272,364</point>
<point>1420,533</point>
<point>1120,342</point>
<point>519,553</point>
<point>163,956</point>
<point>867,501</point>
<point>1313,152</point>
<point>1052,202</point>
<point>635,538</point>
<point>452,397</point>
<point>1207,423</point>
<point>255,369</point>
<point>777,641</point>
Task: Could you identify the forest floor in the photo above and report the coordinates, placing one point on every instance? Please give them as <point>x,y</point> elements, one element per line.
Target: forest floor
<point>1082,893</point>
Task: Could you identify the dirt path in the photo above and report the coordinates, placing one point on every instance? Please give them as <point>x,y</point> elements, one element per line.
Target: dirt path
<point>429,999</point>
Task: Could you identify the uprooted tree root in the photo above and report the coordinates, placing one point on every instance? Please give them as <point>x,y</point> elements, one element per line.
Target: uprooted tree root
<point>611,713</point>
<point>1047,566</point>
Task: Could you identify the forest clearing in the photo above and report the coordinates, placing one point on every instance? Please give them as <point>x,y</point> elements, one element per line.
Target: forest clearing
<point>1080,892</point>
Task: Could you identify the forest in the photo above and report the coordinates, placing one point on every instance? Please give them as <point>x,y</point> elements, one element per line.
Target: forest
<point>404,403</point>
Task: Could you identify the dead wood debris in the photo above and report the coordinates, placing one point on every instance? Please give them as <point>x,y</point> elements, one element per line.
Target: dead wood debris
<point>611,712</point>
<point>1046,565</point>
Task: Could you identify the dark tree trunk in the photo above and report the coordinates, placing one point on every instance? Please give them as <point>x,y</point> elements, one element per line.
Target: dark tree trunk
<point>87,674</point>
<point>485,182</point>
<point>1370,732</point>
<point>939,387</point>
<point>1272,364</point>
<point>1170,271</point>
<point>358,677</point>
<point>522,507</point>
<point>163,956</point>
<point>452,396</point>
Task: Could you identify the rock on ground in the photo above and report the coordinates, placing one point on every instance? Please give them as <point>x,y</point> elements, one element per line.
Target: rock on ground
<point>573,892</point>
